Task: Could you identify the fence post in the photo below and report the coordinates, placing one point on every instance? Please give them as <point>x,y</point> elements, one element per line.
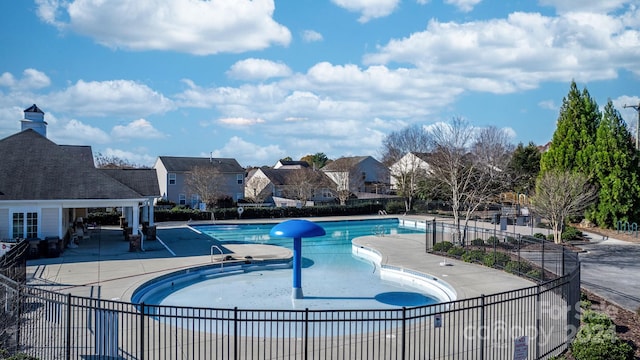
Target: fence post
<point>68,347</point>
<point>434,232</point>
<point>542,272</point>
<point>538,314</point>
<point>19,300</point>
<point>235,333</point>
<point>142,311</point>
<point>404,331</point>
<point>306,333</point>
<point>482,327</point>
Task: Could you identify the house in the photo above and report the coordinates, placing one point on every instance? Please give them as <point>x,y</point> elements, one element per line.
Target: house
<point>46,187</point>
<point>408,170</point>
<point>284,164</point>
<point>359,174</point>
<point>173,176</point>
<point>286,186</point>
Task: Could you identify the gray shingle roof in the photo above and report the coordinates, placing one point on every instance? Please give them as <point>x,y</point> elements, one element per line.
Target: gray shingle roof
<point>143,181</point>
<point>344,163</point>
<point>184,164</point>
<point>33,167</point>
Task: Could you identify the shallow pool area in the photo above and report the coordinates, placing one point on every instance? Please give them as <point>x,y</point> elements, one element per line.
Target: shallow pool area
<point>332,276</point>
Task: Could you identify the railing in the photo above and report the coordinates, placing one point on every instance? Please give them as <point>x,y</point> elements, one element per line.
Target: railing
<point>544,318</point>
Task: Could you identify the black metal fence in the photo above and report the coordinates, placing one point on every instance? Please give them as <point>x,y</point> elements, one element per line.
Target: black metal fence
<point>538,321</point>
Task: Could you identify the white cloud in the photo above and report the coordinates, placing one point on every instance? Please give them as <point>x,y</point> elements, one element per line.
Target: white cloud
<point>75,132</point>
<point>240,121</point>
<point>249,153</point>
<point>584,5</point>
<point>258,69</point>
<point>114,97</point>
<point>136,157</point>
<point>32,79</point>
<point>463,5</point>
<point>137,129</point>
<point>196,27</point>
<point>369,9</point>
<point>519,52</point>
<point>311,36</point>
<point>548,105</point>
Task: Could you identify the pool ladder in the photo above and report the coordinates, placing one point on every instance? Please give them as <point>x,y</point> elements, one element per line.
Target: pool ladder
<point>216,247</point>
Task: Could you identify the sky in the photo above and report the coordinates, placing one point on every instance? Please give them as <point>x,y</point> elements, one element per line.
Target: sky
<point>262,80</point>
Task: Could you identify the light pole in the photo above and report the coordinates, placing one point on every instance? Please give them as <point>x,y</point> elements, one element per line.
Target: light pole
<point>637,108</point>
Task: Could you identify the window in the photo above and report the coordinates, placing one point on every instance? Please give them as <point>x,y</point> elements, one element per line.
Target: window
<point>172,178</point>
<point>182,199</point>
<point>25,225</point>
<point>195,199</point>
<point>240,178</point>
<point>239,196</point>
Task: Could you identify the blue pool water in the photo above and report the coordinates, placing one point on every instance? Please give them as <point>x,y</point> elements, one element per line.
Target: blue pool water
<point>332,278</point>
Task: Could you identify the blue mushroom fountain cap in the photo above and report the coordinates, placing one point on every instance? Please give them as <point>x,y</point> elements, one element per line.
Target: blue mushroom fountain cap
<point>297,229</point>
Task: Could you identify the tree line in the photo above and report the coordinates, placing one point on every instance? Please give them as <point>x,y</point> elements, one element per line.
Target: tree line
<point>589,171</point>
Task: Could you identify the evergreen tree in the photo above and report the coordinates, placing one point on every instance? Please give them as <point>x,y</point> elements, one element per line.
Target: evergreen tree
<point>616,171</point>
<point>524,168</point>
<point>573,142</point>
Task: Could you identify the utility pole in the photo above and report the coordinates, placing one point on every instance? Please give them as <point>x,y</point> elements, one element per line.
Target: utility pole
<point>637,108</point>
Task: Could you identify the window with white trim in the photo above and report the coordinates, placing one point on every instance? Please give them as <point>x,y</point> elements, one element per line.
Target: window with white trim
<point>172,178</point>
<point>240,179</point>
<point>182,199</point>
<point>25,225</point>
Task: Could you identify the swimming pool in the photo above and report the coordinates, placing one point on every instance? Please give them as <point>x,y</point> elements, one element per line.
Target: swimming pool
<point>332,277</point>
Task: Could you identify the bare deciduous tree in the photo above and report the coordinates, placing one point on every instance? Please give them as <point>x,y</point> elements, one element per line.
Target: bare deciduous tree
<point>346,178</point>
<point>469,164</point>
<point>301,184</point>
<point>408,172</point>
<point>258,189</point>
<point>206,182</point>
<point>410,139</point>
<point>559,195</point>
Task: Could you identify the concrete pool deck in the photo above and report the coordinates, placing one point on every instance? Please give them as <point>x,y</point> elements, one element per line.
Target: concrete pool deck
<point>102,266</point>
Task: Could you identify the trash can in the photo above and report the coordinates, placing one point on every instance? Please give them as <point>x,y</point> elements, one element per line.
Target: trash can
<point>34,248</point>
<point>53,249</point>
<point>127,233</point>
<point>134,243</point>
<point>123,222</point>
<point>151,232</point>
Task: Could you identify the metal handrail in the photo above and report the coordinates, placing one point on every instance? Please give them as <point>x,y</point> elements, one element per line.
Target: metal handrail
<point>221,253</point>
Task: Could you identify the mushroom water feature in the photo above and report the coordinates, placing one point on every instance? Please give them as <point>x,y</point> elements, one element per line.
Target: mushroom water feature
<point>297,229</point>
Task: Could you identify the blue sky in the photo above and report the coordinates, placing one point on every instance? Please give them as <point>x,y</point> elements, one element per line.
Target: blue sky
<point>261,80</point>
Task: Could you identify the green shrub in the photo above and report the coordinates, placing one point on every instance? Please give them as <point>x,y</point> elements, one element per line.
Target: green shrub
<point>456,251</point>
<point>442,246</point>
<point>5,355</point>
<point>591,317</point>
<point>514,266</point>
<point>512,240</point>
<point>539,236</point>
<point>496,259</point>
<point>534,274</point>
<point>571,233</point>
<point>477,242</point>
<point>597,339</point>
<point>493,240</point>
<point>473,256</point>
<point>395,207</point>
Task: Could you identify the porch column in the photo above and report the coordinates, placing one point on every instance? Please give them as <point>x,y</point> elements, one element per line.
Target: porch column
<point>151,216</point>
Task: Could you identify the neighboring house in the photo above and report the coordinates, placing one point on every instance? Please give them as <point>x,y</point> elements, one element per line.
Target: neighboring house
<point>45,187</point>
<point>407,171</point>
<point>359,174</point>
<point>267,185</point>
<point>283,164</point>
<point>174,171</point>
